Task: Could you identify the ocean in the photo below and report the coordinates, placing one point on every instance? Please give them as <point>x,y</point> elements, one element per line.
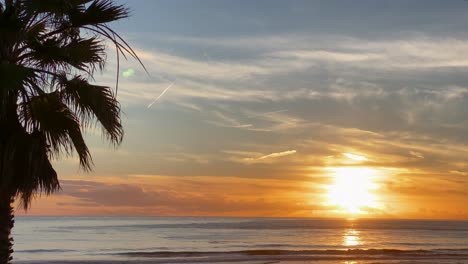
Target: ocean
<point>237,240</point>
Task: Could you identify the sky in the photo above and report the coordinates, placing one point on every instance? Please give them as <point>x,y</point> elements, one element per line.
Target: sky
<point>283,109</point>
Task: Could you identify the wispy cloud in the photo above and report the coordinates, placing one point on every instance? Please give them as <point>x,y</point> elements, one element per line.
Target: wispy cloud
<point>404,52</point>
<point>255,79</point>
<point>268,113</point>
<point>226,121</point>
<point>355,157</point>
<point>278,121</point>
<point>401,85</point>
<point>271,156</point>
<point>416,154</point>
<point>166,195</point>
<point>277,154</point>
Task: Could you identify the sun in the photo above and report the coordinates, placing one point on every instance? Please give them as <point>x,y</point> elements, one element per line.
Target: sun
<point>353,190</point>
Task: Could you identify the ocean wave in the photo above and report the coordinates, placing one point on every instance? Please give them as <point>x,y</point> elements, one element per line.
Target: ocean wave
<point>278,256</point>
<point>331,254</point>
<point>45,250</point>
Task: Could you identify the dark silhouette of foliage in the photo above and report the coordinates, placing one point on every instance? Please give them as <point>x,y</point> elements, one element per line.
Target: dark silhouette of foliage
<point>49,51</point>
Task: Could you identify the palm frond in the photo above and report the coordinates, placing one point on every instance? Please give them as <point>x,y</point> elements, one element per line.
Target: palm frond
<point>13,77</point>
<point>11,26</point>
<point>35,30</point>
<point>90,101</point>
<point>98,12</point>
<point>56,7</point>
<point>29,170</point>
<point>49,115</point>
<point>82,54</point>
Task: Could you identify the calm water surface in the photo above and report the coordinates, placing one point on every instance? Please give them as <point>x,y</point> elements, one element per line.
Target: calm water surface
<point>248,240</point>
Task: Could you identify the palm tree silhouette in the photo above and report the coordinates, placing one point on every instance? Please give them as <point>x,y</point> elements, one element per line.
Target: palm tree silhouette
<point>49,51</point>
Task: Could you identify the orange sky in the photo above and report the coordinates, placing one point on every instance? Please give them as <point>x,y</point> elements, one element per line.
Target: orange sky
<point>351,190</point>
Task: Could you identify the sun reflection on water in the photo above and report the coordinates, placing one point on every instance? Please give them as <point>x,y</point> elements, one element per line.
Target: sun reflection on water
<point>351,238</point>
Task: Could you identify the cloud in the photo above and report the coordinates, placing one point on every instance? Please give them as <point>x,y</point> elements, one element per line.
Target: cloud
<point>277,154</point>
<point>302,67</point>
<point>226,121</point>
<point>259,121</point>
<point>416,154</point>
<point>182,157</point>
<point>330,56</point>
<point>271,156</point>
<point>277,121</point>
<point>409,51</point>
<point>268,113</point>
<point>163,195</point>
<point>462,173</point>
<point>355,157</point>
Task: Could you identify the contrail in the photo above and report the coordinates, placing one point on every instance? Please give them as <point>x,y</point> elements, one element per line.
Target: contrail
<point>160,95</point>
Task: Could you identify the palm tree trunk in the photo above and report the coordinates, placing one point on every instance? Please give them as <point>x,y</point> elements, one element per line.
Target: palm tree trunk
<point>6,225</point>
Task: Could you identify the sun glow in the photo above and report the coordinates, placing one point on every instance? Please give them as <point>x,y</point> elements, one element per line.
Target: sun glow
<point>353,190</point>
